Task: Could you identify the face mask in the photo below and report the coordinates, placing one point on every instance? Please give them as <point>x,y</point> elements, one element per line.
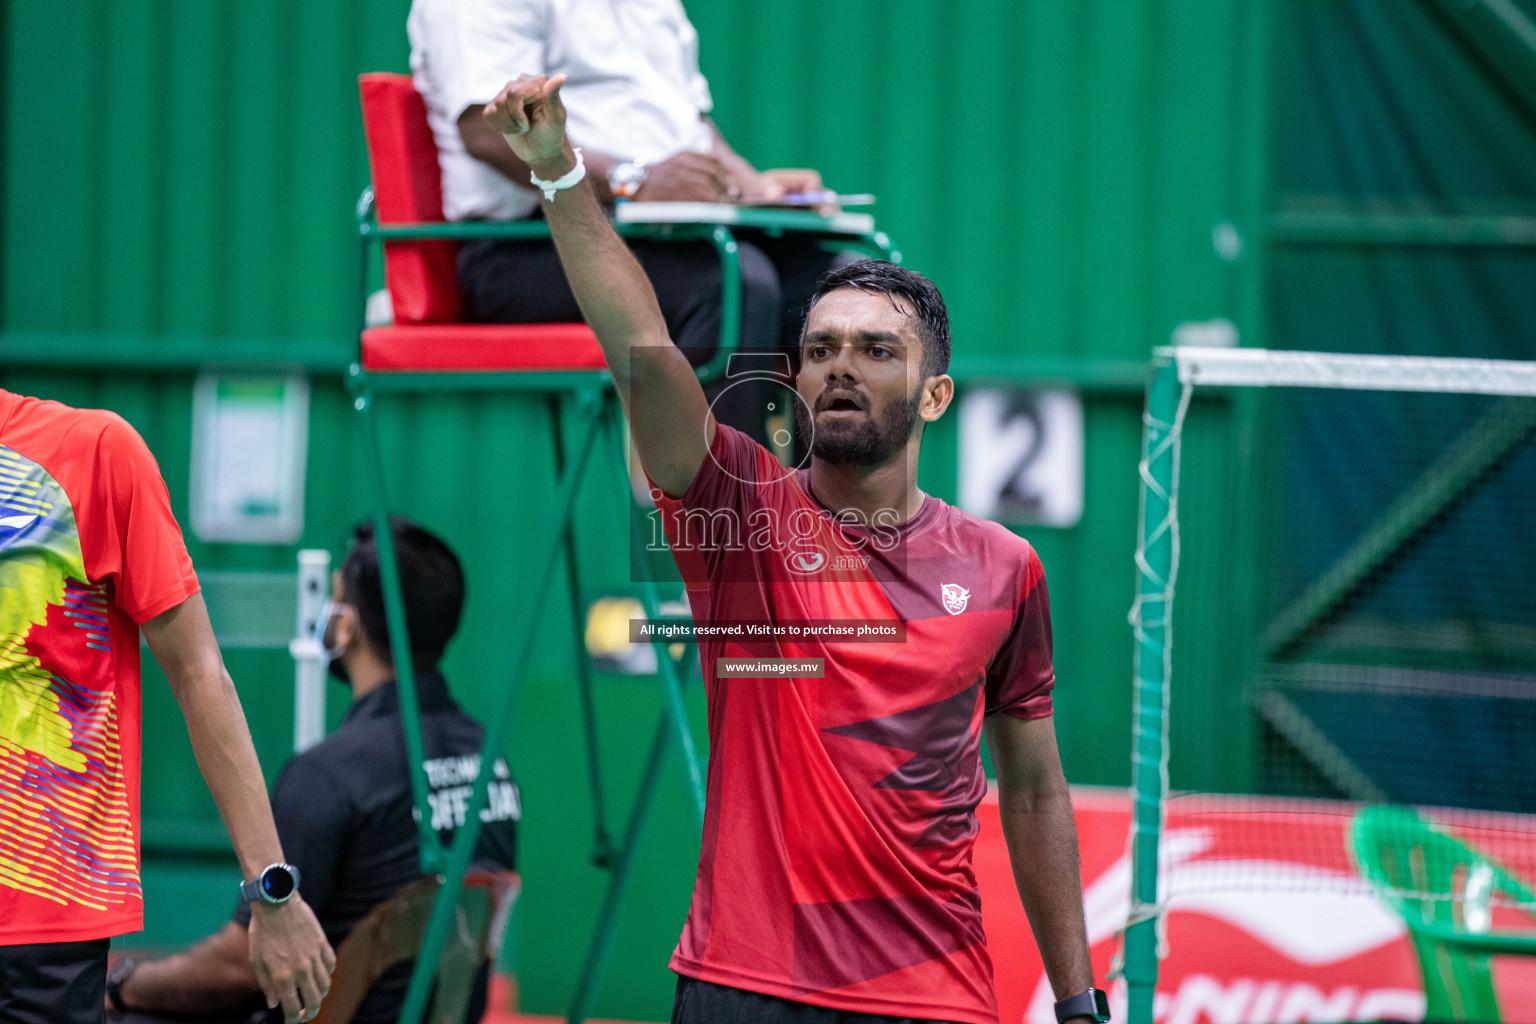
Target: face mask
<point>328,645</point>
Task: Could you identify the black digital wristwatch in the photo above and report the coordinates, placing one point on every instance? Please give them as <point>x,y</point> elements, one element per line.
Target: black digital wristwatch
<point>1092,1003</point>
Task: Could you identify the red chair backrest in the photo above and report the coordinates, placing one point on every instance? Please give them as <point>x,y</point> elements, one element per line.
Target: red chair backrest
<point>408,188</point>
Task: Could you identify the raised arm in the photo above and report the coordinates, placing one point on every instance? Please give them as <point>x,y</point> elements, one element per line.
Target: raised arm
<point>289,954</point>
<point>1036,809</point>
<point>668,416</point>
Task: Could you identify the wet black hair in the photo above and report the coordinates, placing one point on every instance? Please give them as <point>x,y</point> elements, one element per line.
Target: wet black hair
<point>920,293</point>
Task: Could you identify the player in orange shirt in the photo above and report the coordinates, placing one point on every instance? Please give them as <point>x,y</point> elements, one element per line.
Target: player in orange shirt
<point>90,555</point>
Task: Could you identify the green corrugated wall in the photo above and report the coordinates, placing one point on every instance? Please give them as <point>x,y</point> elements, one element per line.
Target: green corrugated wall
<point>179,185</point>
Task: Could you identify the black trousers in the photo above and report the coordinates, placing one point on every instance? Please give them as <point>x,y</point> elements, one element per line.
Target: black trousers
<point>53,983</point>
<point>514,281</point>
<point>703,1002</point>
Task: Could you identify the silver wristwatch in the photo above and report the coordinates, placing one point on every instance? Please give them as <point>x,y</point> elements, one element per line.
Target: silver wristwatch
<point>626,177</point>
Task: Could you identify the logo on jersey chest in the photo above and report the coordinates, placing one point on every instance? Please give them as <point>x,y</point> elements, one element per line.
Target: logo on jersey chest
<point>955,597</point>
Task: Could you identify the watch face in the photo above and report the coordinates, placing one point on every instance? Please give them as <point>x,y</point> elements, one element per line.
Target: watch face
<point>625,179</point>
<point>276,883</point>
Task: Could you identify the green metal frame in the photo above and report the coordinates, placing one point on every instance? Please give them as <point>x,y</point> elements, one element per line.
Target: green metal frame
<point>1466,462</point>
<point>1500,38</point>
<point>1402,230</point>
<point>596,412</point>
<point>596,407</point>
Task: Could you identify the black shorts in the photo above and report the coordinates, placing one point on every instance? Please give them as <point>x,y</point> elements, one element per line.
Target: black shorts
<point>703,1002</point>
<point>53,983</point>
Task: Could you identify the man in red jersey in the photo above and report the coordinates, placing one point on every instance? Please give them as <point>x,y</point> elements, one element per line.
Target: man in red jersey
<point>835,881</point>
<point>90,555</point>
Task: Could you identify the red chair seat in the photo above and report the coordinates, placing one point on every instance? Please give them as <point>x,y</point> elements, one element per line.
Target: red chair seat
<point>482,347</point>
<point>423,284</point>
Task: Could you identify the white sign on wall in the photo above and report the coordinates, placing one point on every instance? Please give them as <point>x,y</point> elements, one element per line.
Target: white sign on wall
<point>1021,455</point>
<point>250,436</point>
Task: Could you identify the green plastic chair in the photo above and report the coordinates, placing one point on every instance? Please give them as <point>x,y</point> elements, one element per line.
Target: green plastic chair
<point>1442,889</point>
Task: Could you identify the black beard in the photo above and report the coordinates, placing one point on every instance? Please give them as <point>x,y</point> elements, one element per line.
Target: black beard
<point>863,445</point>
<point>338,672</point>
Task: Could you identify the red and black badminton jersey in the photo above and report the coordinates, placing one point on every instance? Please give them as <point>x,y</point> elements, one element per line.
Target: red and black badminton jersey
<point>836,865</point>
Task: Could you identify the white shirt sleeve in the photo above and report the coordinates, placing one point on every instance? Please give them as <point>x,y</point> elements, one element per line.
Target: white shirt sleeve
<point>698,86</point>
<point>475,47</point>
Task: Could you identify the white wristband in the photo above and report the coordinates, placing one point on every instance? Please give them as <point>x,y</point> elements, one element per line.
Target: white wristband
<point>565,181</point>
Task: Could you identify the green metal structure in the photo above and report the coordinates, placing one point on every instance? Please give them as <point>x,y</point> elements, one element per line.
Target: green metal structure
<point>596,414</point>
<point>1462,465</point>
<point>1109,146</point>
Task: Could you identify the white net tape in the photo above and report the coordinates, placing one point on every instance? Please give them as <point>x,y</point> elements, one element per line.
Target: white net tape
<point>1239,367</point>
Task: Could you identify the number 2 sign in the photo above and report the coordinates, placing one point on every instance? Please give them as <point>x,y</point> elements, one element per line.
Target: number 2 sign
<point>1021,455</point>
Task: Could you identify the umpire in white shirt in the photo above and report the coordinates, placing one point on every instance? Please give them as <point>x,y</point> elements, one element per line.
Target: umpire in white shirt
<point>639,109</point>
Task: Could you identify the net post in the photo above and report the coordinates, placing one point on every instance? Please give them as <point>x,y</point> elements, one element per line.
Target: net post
<point>1156,563</point>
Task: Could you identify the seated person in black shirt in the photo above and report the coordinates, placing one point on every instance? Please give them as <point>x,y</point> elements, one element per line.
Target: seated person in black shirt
<point>343,807</point>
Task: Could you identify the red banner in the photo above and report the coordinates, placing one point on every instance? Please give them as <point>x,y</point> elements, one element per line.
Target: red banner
<point>1263,937</point>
